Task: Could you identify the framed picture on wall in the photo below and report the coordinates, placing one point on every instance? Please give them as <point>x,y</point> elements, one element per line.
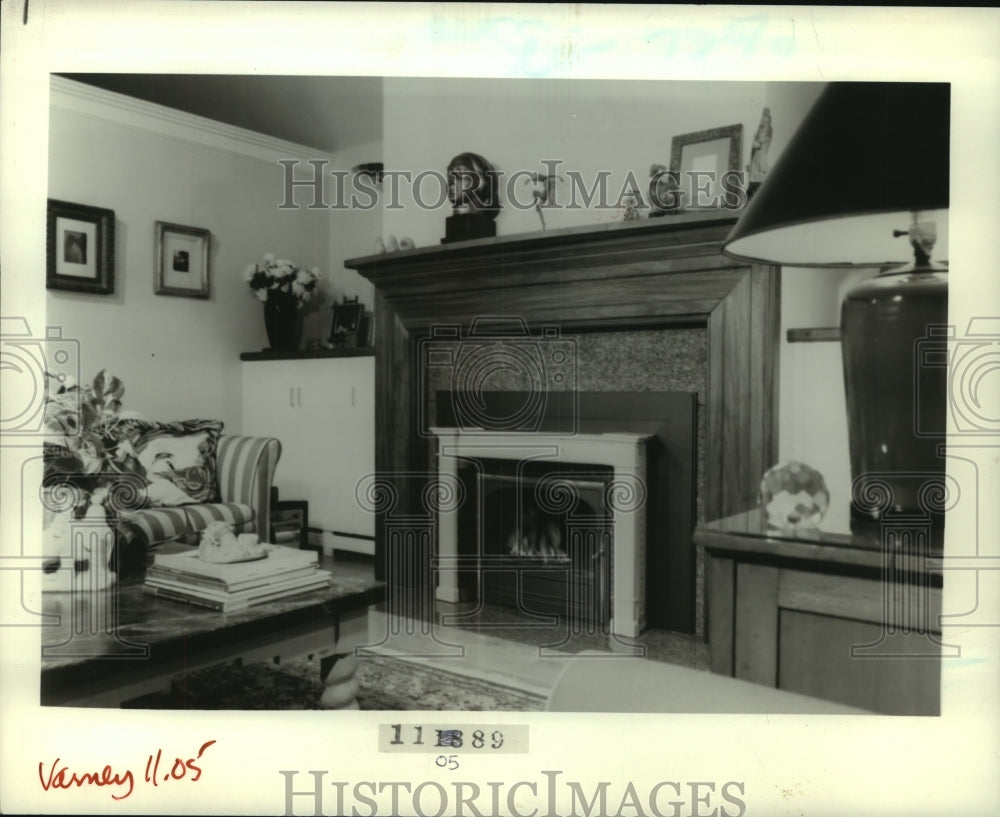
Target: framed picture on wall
<point>705,163</point>
<point>181,260</point>
<point>80,248</point>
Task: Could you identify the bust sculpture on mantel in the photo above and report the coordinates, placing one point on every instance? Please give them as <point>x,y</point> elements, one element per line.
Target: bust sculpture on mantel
<point>474,192</point>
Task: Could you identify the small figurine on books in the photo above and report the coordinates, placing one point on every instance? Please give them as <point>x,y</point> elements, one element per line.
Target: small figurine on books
<point>220,545</point>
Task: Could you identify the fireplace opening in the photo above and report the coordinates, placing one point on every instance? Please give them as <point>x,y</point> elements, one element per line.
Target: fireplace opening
<point>545,537</point>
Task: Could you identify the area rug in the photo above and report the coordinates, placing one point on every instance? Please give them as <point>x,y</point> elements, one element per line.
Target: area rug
<point>386,684</point>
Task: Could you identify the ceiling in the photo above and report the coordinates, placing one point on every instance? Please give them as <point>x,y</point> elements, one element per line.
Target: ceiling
<point>328,113</point>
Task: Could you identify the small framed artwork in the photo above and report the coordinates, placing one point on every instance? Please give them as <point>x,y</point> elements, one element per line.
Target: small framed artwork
<point>706,165</point>
<point>181,262</point>
<point>290,524</point>
<point>348,318</point>
<point>80,248</point>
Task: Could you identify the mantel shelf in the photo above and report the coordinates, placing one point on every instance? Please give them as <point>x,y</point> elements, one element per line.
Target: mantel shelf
<point>511,250</point>
<point>636,274</point>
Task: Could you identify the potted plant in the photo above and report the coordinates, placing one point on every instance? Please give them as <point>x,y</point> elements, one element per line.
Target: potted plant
<point>83,457</point>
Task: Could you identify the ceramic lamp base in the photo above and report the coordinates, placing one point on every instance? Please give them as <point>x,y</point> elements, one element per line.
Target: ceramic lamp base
<point>894,342</point>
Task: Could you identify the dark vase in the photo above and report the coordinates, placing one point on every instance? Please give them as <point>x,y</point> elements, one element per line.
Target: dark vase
<point>283,321</point>
<point>895,372</point>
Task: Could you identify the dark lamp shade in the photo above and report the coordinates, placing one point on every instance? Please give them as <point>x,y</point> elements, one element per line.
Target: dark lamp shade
<point>866,157</point>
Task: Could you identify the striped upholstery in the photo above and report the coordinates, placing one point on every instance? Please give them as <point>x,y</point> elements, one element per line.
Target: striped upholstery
<point>241,517</point>
<point>154,526</point>
<point>245,471</point>
<point>245,468</point>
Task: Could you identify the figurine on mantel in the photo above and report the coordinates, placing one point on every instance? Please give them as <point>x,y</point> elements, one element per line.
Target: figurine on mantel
<point>474,192</point>
<point>391,245</point>
<point>664,193</point>
<point>544,185</point>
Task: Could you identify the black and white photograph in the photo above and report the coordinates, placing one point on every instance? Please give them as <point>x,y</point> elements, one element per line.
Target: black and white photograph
<point>659,484</point>
<point>80,248</point>
<point>183,260</point>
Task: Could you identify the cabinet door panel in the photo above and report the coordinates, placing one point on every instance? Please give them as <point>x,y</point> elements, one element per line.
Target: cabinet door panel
<point>322,411</point>
<point>816,660</point>
<point>272,396</point>
<point>338,427</point>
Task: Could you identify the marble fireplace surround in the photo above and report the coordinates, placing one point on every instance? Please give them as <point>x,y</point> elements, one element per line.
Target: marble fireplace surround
<point>654,274</point>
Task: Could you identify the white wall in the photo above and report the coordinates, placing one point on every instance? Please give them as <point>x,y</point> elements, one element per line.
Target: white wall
<point>590,125</point>
<point>353,232</point>
<point>178,357</point>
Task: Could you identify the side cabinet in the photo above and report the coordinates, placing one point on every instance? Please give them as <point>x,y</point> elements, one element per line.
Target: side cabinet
<point>822,619</point>
<point>323,412</point>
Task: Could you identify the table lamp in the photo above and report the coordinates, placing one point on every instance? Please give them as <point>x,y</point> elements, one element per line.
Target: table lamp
<point>864,183</point>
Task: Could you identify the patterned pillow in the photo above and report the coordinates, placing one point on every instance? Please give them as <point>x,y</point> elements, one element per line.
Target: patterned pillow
<point>177,459</point>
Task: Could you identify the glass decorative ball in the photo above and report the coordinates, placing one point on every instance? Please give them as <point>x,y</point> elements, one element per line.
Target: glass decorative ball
<point>794,496</point>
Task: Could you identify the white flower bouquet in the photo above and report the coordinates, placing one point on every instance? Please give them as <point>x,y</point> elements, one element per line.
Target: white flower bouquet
<point>281,275</point>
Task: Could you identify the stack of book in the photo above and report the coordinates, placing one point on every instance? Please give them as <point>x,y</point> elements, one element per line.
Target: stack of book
<point>283,572</point>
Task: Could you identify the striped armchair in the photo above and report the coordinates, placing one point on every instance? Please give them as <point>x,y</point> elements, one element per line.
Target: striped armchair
<point>245,470</point>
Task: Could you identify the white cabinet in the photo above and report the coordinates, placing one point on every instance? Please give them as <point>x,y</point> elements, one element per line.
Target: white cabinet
<point>322,410</point>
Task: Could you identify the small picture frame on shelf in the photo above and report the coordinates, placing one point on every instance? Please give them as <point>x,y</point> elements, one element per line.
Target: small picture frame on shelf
<point>349,324</point>
<point>181,262</point>
<point>80,248</point>
<point>706,165</point>
<point>290,524</point>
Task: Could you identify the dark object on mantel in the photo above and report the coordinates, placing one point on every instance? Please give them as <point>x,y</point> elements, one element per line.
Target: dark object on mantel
<point>273,354</point>
<point>468,226</point>
<point>473,188</point>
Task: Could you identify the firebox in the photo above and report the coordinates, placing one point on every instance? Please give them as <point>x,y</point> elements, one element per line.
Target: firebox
<point>545,535</point>
<point>560,524</point>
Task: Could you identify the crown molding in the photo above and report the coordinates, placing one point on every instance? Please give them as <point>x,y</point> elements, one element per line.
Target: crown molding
<point>78,97</point>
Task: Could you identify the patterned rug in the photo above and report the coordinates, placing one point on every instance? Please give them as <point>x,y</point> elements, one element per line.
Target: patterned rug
<point>386,684</point>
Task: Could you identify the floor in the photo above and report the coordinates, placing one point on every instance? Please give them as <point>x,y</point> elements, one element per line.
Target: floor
<point>496,644</point>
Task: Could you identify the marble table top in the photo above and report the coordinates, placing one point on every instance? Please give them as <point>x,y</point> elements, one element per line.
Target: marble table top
<point>90,636</point>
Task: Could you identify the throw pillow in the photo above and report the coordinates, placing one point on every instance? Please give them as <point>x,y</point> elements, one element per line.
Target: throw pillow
<point>177,459</point>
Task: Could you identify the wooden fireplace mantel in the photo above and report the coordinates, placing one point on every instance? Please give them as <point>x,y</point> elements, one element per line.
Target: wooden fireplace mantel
<point>651,273</point>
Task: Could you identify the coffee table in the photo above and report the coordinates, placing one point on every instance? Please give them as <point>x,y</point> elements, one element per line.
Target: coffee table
<point>104,648</point>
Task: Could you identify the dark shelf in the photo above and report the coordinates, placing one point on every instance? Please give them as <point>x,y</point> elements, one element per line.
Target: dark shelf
<point>821,334</point>
<point>308,354</point>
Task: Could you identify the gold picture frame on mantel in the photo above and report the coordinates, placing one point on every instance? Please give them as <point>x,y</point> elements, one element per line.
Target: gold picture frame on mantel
<point>706,165</point>
<point>181,260</point>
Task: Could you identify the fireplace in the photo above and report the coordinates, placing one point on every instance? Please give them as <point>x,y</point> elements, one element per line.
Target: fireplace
<point>542,538</point>
<point>567,523</point>
<point>656,276</point>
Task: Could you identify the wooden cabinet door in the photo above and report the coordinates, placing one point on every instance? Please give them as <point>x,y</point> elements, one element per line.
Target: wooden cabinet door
<point>852,640</point>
